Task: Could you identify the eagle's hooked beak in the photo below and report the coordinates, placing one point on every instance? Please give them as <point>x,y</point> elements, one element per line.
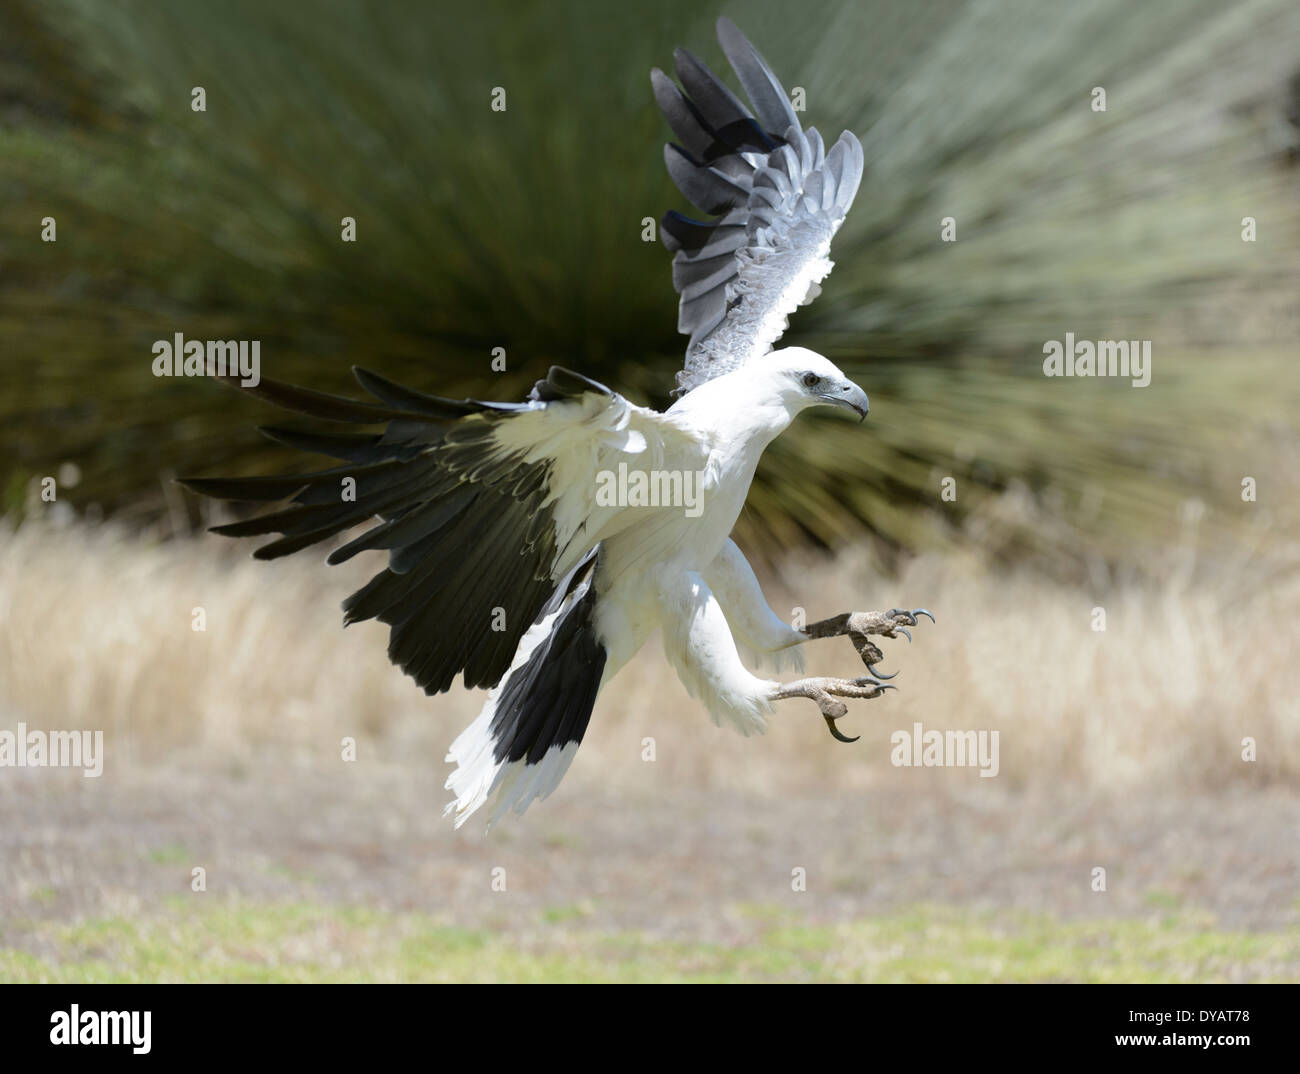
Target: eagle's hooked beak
<point>848,394</point>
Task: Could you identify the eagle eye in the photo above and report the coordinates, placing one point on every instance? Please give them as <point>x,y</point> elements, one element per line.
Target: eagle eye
<point>811,380</point>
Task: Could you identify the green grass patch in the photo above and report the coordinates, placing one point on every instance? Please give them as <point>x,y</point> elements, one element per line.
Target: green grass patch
<point>170,854</point>
<point>249,942</point>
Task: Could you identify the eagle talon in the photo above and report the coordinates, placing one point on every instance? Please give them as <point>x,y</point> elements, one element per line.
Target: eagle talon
<point>881,686</point>
<point>825,693</point>
<point>860,625</point>
<point>910,618</point>
<point>880,674</point>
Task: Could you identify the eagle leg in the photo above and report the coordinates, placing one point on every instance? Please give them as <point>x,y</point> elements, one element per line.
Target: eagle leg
<point>858,626</point>
<point>825,691</point>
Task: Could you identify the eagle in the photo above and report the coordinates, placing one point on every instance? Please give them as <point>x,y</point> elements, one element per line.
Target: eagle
<point>514,562</point>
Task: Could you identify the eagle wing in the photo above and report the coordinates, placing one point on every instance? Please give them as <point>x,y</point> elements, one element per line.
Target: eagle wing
<point>777,198</point>
<point>485,509</point>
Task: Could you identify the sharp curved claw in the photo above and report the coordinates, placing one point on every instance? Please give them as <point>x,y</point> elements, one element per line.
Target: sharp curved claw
<point>880,686</point>
<point>922,611</point>
<point>836,733</point>
<point>905,632</point>
<point>880,674</point>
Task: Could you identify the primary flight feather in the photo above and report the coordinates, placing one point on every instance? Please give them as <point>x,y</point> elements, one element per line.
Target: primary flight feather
<point>777,198</point>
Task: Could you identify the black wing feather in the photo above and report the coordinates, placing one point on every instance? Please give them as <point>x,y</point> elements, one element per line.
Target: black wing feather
<point>464,524</point>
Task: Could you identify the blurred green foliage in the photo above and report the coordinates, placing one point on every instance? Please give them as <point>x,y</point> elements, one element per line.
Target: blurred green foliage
<point>522,229</point>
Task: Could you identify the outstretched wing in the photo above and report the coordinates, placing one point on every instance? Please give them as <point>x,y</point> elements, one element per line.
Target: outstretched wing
<point>777,197</point>
<point>483,507</point>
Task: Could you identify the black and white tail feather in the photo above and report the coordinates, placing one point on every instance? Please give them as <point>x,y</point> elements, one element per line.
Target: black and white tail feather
<point>529,730</point>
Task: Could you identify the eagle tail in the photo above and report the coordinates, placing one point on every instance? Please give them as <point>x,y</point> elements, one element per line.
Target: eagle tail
<point>525,738</point>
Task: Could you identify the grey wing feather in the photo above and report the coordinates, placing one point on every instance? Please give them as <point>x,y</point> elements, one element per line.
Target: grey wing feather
<point>777,198</point>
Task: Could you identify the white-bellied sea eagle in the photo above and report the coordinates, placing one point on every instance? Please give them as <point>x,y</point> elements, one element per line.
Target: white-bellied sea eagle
<point>513,561</point>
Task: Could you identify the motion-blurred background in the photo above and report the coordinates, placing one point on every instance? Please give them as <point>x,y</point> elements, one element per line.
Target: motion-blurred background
<point>523,229</point>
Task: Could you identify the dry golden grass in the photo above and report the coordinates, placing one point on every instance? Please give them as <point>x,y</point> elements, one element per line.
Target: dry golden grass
<point>1197,655</point>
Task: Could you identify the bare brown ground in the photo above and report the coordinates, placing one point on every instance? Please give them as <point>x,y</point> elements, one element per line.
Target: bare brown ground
<point>676,864</point>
